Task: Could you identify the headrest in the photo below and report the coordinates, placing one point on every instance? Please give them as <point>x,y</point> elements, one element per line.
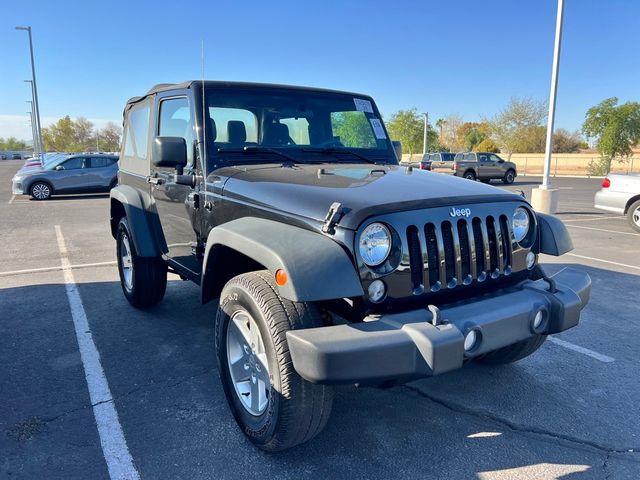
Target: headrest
<point>276,134</point>
<point>236,132</point>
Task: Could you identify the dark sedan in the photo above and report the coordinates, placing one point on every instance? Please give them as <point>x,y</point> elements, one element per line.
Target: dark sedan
<point>84,173</point>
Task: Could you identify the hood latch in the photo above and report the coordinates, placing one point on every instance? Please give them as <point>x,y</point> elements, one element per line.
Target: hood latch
<point>333,217</point>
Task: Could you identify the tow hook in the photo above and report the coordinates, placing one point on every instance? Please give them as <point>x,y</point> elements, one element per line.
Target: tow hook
<point>332,218</point>
<point>436,315</point>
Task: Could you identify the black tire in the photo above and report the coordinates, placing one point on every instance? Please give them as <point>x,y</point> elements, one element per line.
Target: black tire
<point>509,177</point>
<point>40,191</point>
<point>513,353</point>
<point>148,280</point>
<point>297,410</point>
<point>633,216</point>
<point>469,175</point>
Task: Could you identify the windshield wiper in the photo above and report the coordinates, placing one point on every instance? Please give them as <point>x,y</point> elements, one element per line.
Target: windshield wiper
<point>257,149</point>
<point>334,150</point>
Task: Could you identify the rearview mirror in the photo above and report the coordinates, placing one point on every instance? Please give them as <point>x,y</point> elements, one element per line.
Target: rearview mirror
<point>170,152</point>
<point>397,147</point>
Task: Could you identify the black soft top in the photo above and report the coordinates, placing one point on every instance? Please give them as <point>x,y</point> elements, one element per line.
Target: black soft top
<point>163,87</point>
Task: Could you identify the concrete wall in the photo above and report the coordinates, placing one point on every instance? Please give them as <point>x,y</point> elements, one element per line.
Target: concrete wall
<point>561,163</point>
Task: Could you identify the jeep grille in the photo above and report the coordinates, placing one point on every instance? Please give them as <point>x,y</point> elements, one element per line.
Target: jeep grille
<point>456,252</point>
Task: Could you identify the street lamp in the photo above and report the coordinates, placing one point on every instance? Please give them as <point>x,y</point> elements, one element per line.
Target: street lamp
<point>545,198</point>
<point>36,105</point>
<point>33,128</point>
<point>36,141</point>
<point>424,140</point>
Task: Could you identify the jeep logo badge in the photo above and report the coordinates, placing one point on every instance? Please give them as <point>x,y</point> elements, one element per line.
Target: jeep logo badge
<point>460,212</point>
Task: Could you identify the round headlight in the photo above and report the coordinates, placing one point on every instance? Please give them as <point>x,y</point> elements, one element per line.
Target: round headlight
<point>375,244</point>
<point>520,224</point>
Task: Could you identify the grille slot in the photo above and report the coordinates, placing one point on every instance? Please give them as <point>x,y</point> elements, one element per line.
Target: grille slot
<point>459,252</point>
<point>415,256</point>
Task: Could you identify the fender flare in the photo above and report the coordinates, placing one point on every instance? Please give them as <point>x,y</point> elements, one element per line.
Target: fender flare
<point>142,216</point>
<point>554,236</point>
<point>317,267</point>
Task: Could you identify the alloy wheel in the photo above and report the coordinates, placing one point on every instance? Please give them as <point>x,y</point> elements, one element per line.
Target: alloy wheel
<point>41,191</point>
<point>126,262</point>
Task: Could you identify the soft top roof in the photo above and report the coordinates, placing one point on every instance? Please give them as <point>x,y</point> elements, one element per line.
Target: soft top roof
<point>163,87</point>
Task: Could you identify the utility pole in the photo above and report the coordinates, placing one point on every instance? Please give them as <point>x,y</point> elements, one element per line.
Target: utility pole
<point>37,147</point>
<point>545,198</point>
<point>33,128</point>
<point>424,140</point>
<point>36,105</point>
<point>97,146</point>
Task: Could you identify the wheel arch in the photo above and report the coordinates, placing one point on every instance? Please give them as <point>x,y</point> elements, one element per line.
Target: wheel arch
<point>317,267</point>
<point>630,202</point>
<point>39,180</point>
<point>144,224</point>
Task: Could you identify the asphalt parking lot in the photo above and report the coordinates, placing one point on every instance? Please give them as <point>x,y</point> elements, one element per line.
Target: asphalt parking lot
<point>570,411</point>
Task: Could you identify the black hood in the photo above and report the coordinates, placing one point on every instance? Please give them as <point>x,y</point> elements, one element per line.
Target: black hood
<point>362,190</point>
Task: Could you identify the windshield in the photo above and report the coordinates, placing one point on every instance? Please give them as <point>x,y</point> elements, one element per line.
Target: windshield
<point>303,124</point>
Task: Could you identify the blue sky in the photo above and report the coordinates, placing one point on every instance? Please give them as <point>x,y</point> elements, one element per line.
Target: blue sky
<point>465,57</point>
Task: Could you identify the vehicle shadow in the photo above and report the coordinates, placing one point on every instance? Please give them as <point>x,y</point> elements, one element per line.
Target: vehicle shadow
<point>79,196</point>
<point>162,373</point>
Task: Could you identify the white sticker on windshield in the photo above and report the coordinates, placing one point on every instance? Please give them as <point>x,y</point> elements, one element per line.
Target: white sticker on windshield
<point>363,105</point>
<point>377,128</point>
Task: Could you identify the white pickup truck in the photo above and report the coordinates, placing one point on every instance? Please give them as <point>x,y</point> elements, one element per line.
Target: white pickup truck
<point>621,194</point>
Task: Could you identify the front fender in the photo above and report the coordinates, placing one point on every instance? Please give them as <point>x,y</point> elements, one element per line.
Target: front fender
<point>142,216</point>
<point>554,236</point>
<point>317,267</point>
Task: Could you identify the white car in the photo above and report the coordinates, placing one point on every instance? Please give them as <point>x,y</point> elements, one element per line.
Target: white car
<point>621,194</point>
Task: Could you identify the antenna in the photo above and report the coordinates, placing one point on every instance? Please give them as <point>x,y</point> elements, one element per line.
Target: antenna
<point>204,117</point>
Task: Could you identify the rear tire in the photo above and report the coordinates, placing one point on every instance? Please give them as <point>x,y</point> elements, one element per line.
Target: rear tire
<point>633,216</point>
<point>143,279</point>
<point>470,175</point>
<point>509,177</point>
<point>274,407</point>
<point>40,191</point>
<point>513,353</point>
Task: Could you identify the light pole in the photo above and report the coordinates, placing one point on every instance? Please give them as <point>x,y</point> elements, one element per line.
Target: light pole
<point>37,147</point>
<point>424,140</point>
<point>36,105</point>
<point>33,128</point>
<point>545,198</point>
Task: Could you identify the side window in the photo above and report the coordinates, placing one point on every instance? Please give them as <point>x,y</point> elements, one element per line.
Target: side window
<point>74,163</point>
<point>484,158</point>
<point>99,162</point>
<point>134,151</point>
<point>494,158</point>
<point>447,157</point>
<point>175,121</point>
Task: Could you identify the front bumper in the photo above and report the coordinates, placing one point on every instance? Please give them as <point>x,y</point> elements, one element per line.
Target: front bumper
<point>408,345</point>
<point>16,187</point>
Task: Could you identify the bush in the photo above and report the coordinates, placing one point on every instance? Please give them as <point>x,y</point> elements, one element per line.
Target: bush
<point>599,167</point>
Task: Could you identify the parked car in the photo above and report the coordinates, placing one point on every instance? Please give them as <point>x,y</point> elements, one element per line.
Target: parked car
<point>440,162</point>
<point>68,174</point>
<point>331,263</point>
<point>16,156</point>
<point>621,194</point>
<point>3,156</point>
<point>484,166</point>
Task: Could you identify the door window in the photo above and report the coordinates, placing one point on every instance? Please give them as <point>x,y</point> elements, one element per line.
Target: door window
<point>495,158</point>
<point>484,158</point>
<point>175,121</point>
<point>100,162</point>
<point>74,163</point>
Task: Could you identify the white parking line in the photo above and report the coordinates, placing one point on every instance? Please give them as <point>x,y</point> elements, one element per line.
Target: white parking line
<point>114,446</point>
<point>603,230</point>
<point>584,351</point>
<point>52,269</point>
<point>635,267</point>
<point>591,219</point>
<point>13,197</point>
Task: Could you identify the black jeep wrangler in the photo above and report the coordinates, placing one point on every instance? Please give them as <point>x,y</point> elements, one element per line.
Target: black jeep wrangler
<point>332,264</point>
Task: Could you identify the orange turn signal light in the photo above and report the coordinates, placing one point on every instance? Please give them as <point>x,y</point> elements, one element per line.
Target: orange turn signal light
<point>281,277</point>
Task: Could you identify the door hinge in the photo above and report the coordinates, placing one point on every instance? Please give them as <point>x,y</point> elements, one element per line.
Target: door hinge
<point>333,217</point>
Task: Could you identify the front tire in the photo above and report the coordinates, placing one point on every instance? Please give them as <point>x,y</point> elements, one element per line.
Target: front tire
<point>40,191</point>
<point>633,216</point>
<point>513,353</point>
<point>509,177</point>
<point>143,279</point>
<point>274,407</point>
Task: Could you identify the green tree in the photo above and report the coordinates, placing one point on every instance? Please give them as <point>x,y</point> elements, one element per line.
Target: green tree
<point>616,129</point>
<point>473,134</point>
<point>487,145</point>
<point>109,137</point>
<point>67,135</point>
<point>408,127</point>
<point>354,129</point>
<point>566,142</point>
<point>517,126</point>
<point>12,143</point>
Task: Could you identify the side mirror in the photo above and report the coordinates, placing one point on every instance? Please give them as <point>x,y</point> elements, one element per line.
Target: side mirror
<point>59,167</point>
<point>501,161</point>
<point>170,152</point>
<point>397,147</point>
